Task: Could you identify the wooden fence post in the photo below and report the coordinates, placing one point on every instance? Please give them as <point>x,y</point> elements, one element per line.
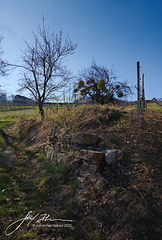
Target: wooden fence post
<point>138,93</point>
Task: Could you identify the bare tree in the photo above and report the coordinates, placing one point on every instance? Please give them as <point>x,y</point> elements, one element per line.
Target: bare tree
<point>101,84</point>
<point>44,71</point>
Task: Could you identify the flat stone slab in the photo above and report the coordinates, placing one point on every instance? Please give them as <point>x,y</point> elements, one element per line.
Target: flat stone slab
<point>94,157</point>
<point>88,139</point>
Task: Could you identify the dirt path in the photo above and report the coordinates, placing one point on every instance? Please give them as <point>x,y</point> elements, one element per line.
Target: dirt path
<point>8,153</point>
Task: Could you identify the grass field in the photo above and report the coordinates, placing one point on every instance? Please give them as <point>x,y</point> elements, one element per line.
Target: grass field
<point>129,208</point>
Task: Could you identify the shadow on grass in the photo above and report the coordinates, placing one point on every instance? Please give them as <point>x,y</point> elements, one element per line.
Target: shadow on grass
<point>7,138</point>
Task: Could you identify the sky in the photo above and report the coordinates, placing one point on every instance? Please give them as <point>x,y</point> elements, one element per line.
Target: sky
<point>114,33</point>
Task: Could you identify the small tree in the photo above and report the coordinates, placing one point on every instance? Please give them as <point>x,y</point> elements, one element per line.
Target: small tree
<point>100,84</point>
<point>44,71</point>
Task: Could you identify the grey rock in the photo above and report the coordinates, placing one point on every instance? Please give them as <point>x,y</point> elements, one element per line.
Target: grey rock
<point>111,156</point>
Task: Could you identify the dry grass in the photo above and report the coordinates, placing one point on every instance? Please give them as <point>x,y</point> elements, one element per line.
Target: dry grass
<point>132,199</point>
<point>129,206</point>
<point>74,118</point>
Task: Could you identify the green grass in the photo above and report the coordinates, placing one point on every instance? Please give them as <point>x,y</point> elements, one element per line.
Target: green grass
<point>15,108</point>
<point>13,184</point>
<point>16,114</point>
<point>22,189</point>
<point>10,116</point>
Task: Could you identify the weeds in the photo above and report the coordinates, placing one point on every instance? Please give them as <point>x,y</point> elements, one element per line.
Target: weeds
<point>74,118</point>
<point>66,116</point>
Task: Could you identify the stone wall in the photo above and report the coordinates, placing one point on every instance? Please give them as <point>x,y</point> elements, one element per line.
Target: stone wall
<point>83,154</point>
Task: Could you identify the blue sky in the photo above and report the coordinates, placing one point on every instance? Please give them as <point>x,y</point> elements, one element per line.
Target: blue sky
<point>114,33</point>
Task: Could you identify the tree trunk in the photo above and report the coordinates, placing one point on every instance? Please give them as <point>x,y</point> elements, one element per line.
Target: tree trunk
<point>41,111</point>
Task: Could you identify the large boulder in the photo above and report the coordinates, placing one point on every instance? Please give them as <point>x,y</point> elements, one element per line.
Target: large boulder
<point>111,156</point>
<point>88,139</point>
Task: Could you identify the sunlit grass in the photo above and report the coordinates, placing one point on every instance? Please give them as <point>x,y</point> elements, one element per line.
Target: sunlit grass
<point>16,114</point>
<point>154,107</point>
<point>8,118</point>
<point>74,118</point>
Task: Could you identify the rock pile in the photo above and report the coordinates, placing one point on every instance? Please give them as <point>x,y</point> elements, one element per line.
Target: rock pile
<point>83,154</point>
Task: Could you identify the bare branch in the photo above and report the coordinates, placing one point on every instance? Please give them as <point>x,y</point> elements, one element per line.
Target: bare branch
<point>43,63</point>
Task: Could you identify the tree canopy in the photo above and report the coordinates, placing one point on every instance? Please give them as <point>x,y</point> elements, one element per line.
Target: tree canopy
<point>100,84</point>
